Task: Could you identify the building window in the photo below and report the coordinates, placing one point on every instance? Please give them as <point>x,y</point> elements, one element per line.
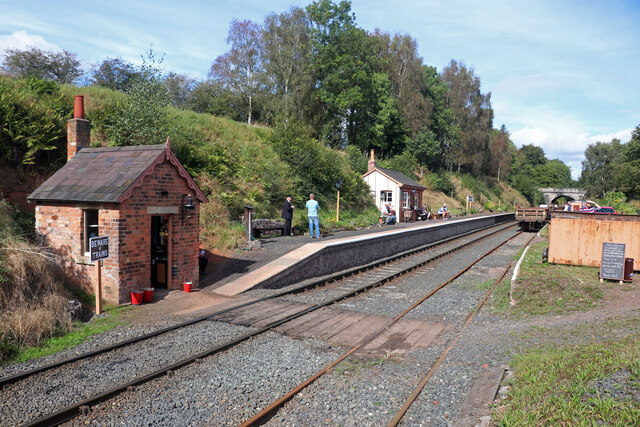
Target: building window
<point>386,196</point>
<point>416,203</point>
<point>405,200</point>
<point>90,227</point>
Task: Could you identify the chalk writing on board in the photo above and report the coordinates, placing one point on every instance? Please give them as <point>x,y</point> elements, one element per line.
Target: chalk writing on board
<point>612,264</point>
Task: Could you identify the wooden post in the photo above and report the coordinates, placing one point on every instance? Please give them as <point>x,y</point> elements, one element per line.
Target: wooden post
<point>99,288</point>
<point>338,208</point>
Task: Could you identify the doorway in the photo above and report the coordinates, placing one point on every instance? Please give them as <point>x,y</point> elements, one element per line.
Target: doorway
<point>159,240</point>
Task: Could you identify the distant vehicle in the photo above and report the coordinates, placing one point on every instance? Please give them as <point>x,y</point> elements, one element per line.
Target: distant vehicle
<point>606,209</point>
<point>532,219</point>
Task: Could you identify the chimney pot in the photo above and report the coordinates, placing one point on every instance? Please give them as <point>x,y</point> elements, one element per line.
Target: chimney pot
<point>78,107</point>
<point>372,162</point>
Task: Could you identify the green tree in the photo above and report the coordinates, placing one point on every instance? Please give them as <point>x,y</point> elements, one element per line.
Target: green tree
<point>472,114</point>
<point>426,149</point>
<point>628,172</point>
<point>143,117</point>
<point>286,58</point>
<point>240,68</point>
<point>179,88</point>
<point>441,123</point>
<point>599,167</point>
<point>532,155</point>
<point>211,97</point>
<point>62,67</point>
<point>354,105</point>
<point>113,73</point>
<point>501,150</point>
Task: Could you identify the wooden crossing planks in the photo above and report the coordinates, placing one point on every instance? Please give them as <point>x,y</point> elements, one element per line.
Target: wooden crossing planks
<point>337,325</point>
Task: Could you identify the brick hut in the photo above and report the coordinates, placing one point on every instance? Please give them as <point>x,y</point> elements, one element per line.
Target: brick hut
<point>141,197</point>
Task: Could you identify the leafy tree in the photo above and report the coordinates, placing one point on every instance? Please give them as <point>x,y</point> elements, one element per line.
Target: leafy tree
<point>354,98</point>
<point>472,114</point>
<point>441,123</point>
<point>532,155</point>
<point>143,117</point>
<point>628,173</point>
<point>501,150</point>
<point>211,97</point>
<point>62,67</point>
<point>240,68</point>
<point>179,87</point>
<point>286,58</point>
<point>554,173</point>
<point>404,67</point>
<point>113,73</point>
<point>599,167</point>
<point>404,162</point>
<point>426,149</point>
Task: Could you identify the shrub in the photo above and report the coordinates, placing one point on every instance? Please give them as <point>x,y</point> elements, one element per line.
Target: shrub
<point>32,298</point>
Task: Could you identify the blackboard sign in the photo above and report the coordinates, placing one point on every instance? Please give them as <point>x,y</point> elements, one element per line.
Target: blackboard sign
<point>99,248</point>
<point>612,264</point>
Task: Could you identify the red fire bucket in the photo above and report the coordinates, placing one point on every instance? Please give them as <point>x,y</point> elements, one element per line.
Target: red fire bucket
<point>136,297</point>
<point>187,285</point>
<point>147,295</point>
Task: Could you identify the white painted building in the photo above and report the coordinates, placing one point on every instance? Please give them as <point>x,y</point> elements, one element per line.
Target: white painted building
<point>389,186</point>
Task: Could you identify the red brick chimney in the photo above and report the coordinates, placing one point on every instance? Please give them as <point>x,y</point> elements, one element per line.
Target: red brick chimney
<point>78,129</point>
<point>372,162</point>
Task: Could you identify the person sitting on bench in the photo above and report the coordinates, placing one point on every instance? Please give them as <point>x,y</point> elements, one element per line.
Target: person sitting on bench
<point>388,214</point>
<point>444,212</point>
<point>423,213</point>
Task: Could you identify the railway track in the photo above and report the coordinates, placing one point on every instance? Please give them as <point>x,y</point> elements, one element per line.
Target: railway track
<point>270,410</point>
<point>383,274</point>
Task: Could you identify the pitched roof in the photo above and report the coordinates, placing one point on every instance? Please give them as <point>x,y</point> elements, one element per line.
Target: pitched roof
<point>398,177</point>
<point>108,174</point>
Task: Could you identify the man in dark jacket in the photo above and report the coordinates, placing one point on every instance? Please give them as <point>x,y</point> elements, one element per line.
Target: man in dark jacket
<point>287,214</point>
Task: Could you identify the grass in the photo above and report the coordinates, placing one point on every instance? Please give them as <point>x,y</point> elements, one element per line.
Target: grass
<point>543,288</point>
<point>584,385</point>
<point>79,333</point>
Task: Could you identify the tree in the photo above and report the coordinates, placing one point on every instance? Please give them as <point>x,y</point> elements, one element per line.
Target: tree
<point>554,173</point>
<point>472,114</point>
<point>143,118</point>
<point>404,67</point>
<point>426,149</point>
<point>501,150</point>
<point>62,67</point>
<point>239,69</point>
<point>113,73</point>
<point>441,123</point>
<point>179,87</point>
<point>532,155</point>
<point>599,167</point>
<point>628,172</point>
<point>286,58</point>
<point>212,97</point>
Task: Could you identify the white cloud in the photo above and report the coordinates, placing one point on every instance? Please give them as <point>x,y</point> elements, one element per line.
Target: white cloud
<point>21,39</point>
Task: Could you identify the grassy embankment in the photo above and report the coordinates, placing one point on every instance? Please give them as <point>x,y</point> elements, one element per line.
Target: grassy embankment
<point>585,375</point>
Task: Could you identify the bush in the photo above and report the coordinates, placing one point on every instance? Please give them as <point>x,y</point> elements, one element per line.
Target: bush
<point>32,298</point>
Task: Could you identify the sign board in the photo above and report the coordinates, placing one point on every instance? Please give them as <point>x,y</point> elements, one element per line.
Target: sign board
<point>612,263</point>
<point>99,248</point>
<point>469,198</point>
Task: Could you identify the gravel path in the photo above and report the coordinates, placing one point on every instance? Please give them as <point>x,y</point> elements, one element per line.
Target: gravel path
<point>365,390</point>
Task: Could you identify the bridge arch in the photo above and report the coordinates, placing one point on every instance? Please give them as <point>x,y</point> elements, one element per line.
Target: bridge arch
<point>551,194</point>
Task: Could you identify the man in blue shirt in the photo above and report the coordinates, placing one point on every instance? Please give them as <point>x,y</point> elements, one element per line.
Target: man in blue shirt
<point>312,213</point>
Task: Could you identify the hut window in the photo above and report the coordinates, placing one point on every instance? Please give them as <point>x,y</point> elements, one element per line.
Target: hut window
<point>386,196</point>
<point>90,227</point>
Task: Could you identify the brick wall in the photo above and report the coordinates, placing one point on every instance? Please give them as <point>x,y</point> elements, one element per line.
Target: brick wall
<point>128,225</point>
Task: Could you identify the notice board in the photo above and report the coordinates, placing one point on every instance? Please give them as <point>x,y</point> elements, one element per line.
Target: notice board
<point>612,263</point>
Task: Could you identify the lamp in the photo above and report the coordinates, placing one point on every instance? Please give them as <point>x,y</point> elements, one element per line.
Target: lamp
<point>186,206</point>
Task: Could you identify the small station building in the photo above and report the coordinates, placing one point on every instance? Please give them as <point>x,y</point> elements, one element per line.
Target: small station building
<point>141,197</point>
<point>389,186</point>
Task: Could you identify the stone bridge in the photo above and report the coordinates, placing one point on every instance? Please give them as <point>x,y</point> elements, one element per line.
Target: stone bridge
<point>552,193</point>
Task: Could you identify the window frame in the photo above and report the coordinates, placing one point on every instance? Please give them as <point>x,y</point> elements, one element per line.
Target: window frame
<point>405,200</point>
<point>89,228</point>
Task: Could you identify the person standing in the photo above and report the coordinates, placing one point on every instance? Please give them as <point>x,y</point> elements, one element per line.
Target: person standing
<point>287,214</point>
<point>312,213</point>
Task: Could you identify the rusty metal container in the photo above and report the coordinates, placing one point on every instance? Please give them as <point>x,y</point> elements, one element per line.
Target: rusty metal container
<point>628,269</point>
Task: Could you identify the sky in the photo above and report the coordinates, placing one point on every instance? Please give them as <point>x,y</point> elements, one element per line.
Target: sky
<point>562,73</point>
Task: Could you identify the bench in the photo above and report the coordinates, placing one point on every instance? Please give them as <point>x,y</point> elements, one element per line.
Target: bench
<point>260,225</point>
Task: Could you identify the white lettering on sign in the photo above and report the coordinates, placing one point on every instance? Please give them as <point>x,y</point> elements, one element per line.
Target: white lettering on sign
<point>99,248</point>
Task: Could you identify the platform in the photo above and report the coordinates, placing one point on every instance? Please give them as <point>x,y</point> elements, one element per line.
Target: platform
<point>328,256</point>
